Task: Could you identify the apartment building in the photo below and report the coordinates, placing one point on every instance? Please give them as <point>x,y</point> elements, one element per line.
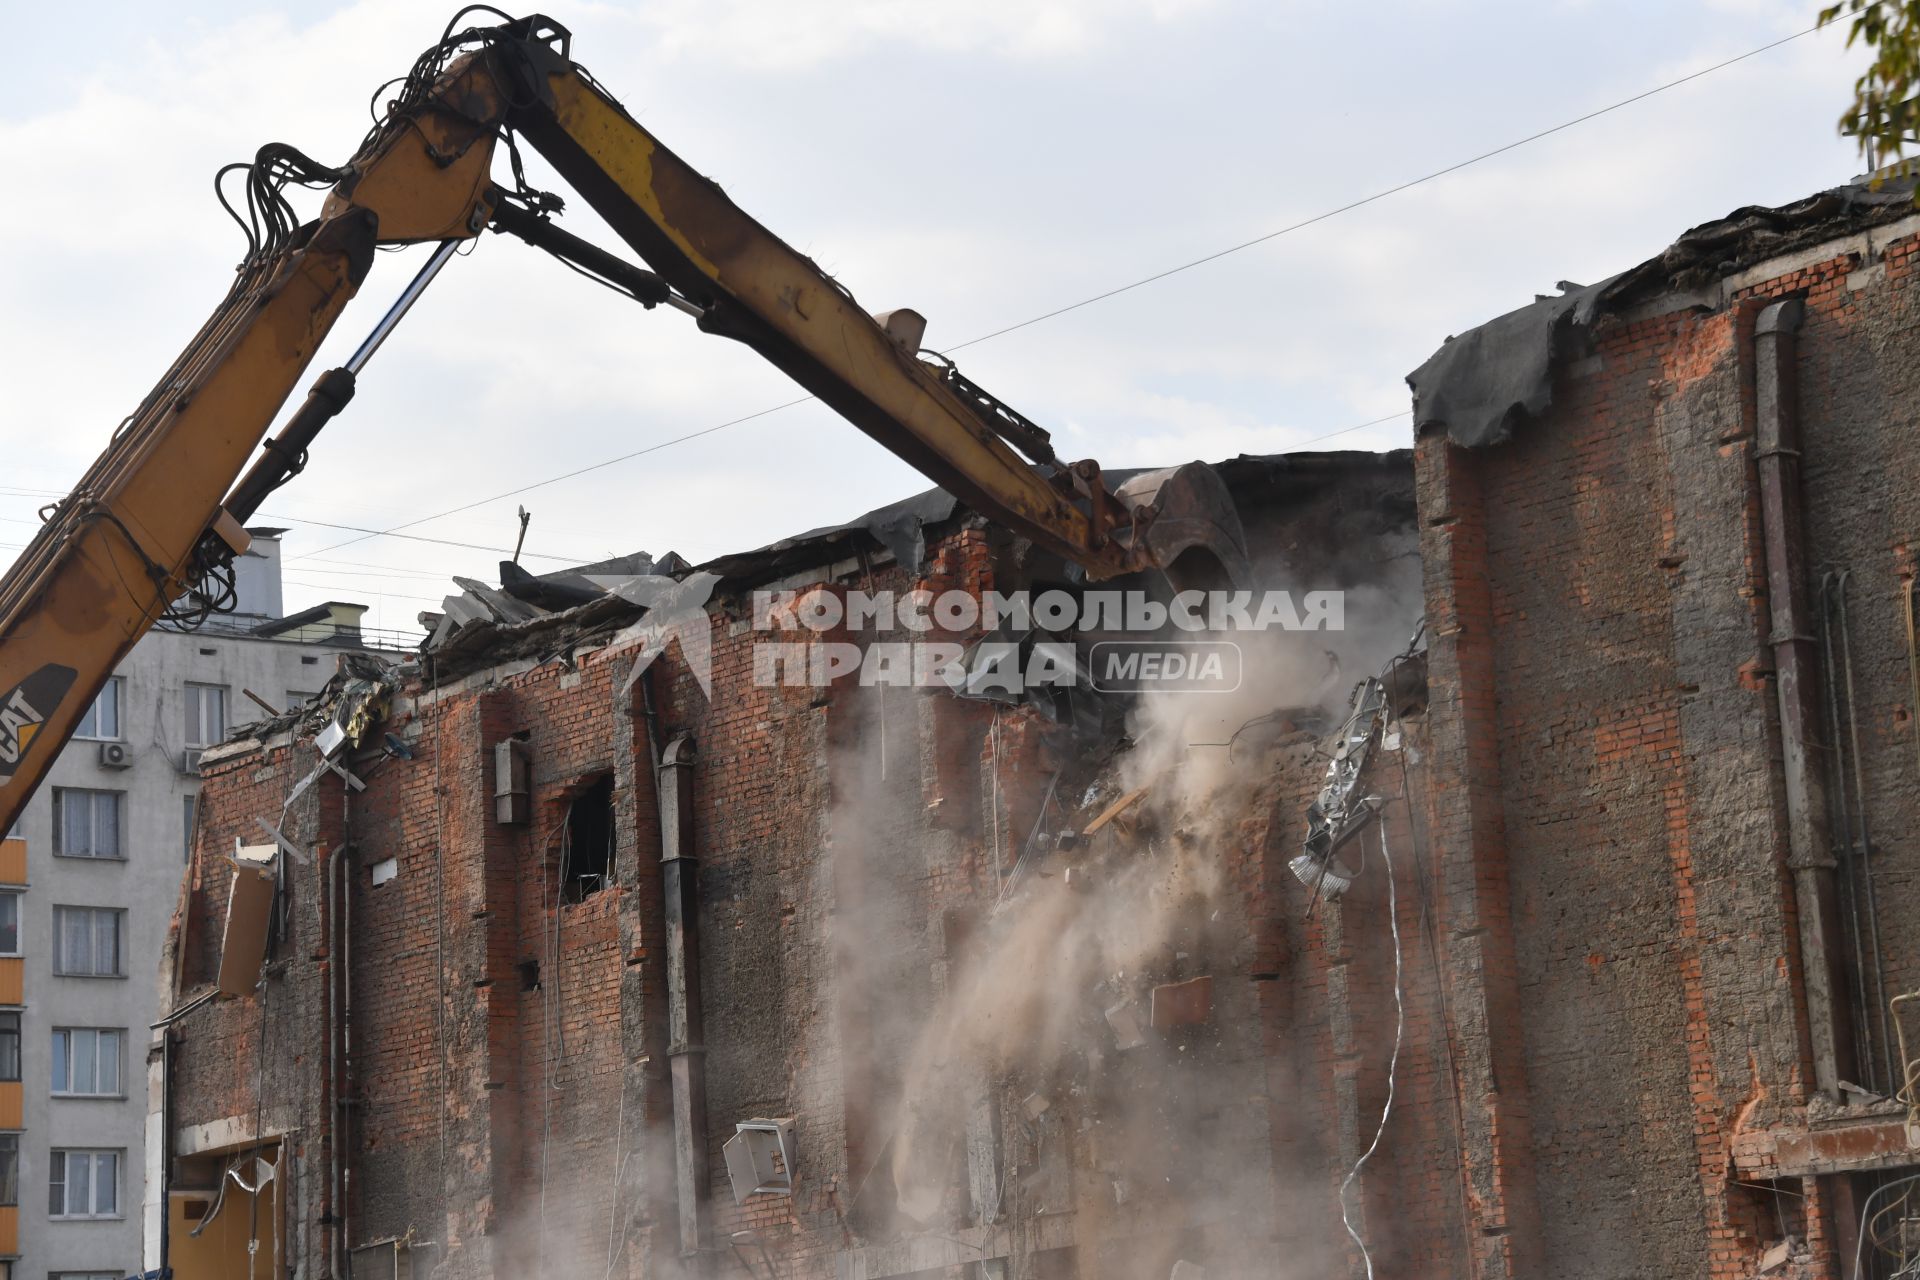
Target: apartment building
<point>88,881</point>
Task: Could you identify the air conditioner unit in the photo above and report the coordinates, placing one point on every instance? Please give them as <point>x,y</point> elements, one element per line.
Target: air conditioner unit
<point>760,1158</point>
<point>114,755</point>
<point>190,761</point>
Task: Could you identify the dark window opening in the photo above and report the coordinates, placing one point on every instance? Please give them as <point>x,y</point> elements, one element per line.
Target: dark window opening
<point>529,975</point>
<point>586,849</point>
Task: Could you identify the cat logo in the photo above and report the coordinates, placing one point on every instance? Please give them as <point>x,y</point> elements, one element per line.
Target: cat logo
<point>25,707</point>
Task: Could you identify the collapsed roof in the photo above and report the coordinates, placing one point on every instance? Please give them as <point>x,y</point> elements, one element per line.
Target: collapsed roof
<point>531,615</point>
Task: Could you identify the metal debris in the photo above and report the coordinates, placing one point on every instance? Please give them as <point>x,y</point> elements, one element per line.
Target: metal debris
<point>1336,813</point>
<point>532,611</point>
<point>760,1158</point>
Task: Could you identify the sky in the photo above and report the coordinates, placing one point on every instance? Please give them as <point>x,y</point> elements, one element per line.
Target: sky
<point>984,163</point>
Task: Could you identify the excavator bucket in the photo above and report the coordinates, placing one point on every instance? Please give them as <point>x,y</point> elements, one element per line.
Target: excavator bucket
<point>1196,538</point>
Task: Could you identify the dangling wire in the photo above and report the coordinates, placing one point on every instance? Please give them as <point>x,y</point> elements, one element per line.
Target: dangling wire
<point>1393,1062</point>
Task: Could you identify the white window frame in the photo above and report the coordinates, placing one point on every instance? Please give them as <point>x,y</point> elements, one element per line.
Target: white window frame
<point>64,1053</point>
<point>60,803</point>
<point>195,713</point>
<point>119,917</point>
<point>113,691</point>
<point>10,906</point>
<point>60,1160</point>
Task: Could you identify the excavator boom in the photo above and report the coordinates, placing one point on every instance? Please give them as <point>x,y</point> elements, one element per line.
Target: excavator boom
<point>150,530</point>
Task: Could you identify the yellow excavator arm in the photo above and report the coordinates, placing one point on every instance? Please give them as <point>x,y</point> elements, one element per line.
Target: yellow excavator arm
<point>151,529</point>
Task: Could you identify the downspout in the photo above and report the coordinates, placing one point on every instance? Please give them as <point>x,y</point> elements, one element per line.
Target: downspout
<point>343,1095</point>
<point>330,1093</point>
<point>686,1051</point>
<point>1796,682</point>
<point>166,1155</point>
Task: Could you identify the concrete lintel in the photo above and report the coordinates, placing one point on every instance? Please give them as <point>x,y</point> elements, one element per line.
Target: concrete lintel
<point>1799,1152</point>
<point>232,1133</point>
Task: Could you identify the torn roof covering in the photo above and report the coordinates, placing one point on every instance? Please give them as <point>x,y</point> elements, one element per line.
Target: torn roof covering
<point>903,527</point>
<point>354,698</point>
<point>526,611</point>
<point>529,615</point>
<point>1483,383</point>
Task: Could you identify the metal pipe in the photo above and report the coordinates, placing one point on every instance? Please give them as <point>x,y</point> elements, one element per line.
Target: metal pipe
<point>1837,783</point>
<point>1913,656</point>
<point>1809,847</point>
<point>686,1045</point>
<point>330,1216</point>
<point>1863,844</point>
<point>166,1152</point>
<point>343,1101</point>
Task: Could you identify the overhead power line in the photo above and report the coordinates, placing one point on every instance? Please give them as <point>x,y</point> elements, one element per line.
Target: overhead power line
<point>444,542</point>
<point>1128,287</point>
<point>15,491</point>
<point>541,484</point>
<point>1408,185</point>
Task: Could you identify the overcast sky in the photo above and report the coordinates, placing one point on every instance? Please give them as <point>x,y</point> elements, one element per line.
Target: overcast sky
<point>982,162</point>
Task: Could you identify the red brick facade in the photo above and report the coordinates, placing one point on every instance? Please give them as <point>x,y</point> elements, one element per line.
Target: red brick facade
<point>1607,1066</point>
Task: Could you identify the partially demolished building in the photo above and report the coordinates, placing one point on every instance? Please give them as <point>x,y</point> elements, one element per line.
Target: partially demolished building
<point>1569,938</point>
<point>522,962</point>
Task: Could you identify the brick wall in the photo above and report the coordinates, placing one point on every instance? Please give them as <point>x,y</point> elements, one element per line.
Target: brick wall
<point>1605,1068</point>
<point>507,1096</point>
<point>1607,745</point>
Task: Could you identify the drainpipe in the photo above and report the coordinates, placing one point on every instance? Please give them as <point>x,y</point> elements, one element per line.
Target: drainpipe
<point>686,1051</point>
<point>166,1155</point>
<point>331,928</point>
<point>343,1090</point>
<point>1795,663</point>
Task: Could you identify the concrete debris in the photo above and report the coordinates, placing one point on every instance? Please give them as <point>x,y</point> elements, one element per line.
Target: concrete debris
<point>258,855</point>
<point>1035,1105</point>
<point>1124,1018</point>
<point>1184,1270</point>
<point>1858,1096</point>
<point>1775,1258</point>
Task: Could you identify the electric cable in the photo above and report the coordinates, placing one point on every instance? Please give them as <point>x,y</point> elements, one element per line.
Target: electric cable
<point>1157,276</point>
<point>1393,1062</point>
<point>1860,1240</point>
